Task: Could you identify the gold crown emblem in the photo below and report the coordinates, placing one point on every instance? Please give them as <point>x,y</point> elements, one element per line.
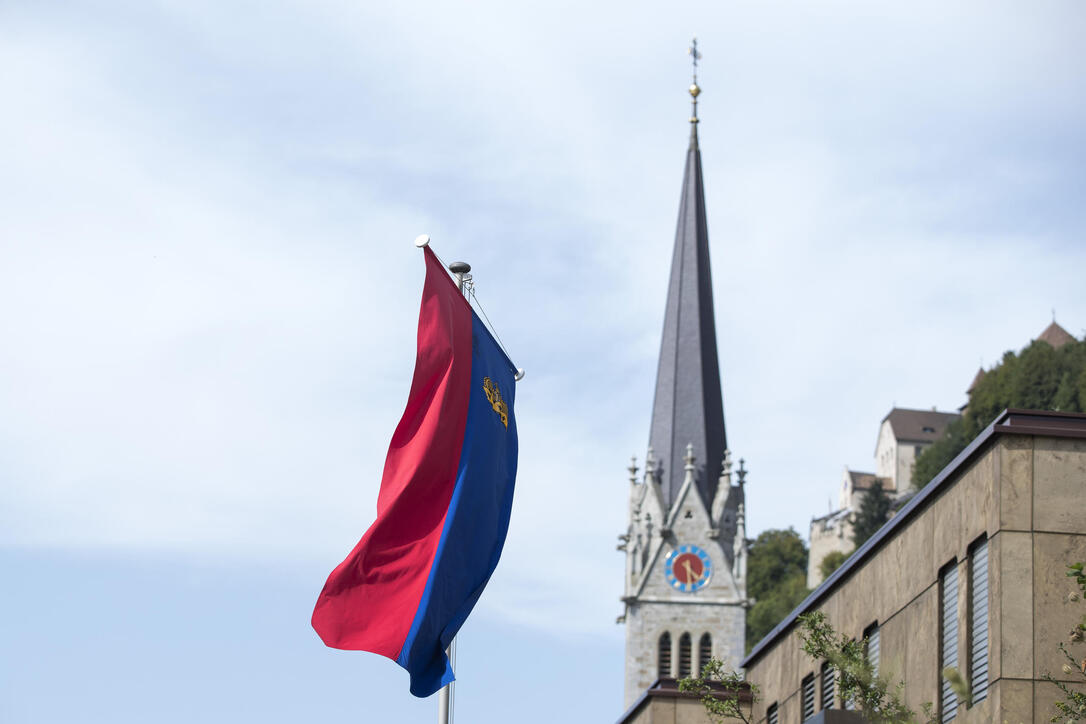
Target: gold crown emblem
<point>494,397</point>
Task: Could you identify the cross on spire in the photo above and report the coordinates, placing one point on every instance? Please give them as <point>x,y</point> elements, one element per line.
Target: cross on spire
<point>695,56</point>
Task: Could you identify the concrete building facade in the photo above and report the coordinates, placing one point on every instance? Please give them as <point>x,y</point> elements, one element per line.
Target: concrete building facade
<point>972,568</point>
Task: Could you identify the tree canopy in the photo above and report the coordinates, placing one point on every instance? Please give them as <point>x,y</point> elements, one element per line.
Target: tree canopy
<point>775,556</point>
<point>776,579</point>
<point>873,513</point>
<point>831,562</point>
<point>1037,378</point>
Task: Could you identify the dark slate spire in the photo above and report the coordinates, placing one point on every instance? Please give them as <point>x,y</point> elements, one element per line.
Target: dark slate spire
<point>689,406</point>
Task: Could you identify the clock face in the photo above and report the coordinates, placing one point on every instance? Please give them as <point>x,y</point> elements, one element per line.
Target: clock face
<point>688,568</point>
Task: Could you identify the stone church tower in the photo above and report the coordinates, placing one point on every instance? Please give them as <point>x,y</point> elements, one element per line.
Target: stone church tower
<point>685,590</point>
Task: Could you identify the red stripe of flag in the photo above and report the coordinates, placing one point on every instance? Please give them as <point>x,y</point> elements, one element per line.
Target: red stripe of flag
<point>370,599</point>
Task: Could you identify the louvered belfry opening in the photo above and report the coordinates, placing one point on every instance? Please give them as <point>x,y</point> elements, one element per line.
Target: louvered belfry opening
<point>948,625</point>
<point>705,651</point>
<point>978,620</point>
<point>684,655</point>
<point>663,655</point>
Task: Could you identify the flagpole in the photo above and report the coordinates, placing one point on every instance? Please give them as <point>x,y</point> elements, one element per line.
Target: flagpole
<point>443,700</point>
<point>445,696</point>
<point>461,272</point>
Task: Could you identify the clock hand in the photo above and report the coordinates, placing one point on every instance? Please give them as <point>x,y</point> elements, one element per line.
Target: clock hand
<point>690,577</point>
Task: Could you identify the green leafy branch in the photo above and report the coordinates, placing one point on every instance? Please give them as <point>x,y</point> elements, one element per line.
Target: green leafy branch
<point>857,680</point>
<point>719,689</point>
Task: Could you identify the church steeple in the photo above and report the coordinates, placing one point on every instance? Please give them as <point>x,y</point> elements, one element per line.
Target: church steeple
<point>689,407</point>
<point>685,543</point>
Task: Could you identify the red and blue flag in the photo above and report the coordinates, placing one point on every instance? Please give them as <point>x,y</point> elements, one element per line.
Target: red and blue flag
<point>445,499</point>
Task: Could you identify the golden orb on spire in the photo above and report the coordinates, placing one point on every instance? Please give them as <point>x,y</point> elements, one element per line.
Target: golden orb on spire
<point>695,90</point>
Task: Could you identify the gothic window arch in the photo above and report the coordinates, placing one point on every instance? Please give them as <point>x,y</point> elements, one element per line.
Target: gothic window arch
<point>684,655</point>
<point>705,651</point>
<point>663,655</point>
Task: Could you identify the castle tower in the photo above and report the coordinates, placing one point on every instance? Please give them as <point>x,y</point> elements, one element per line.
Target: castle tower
<point>685,585</point>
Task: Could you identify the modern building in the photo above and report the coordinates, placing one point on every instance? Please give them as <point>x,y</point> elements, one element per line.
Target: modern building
<point>969,574</point>
<point>685,578</point>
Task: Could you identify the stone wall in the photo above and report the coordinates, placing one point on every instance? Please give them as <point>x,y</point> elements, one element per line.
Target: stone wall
<point>646,622</point>
<point>829,534</point>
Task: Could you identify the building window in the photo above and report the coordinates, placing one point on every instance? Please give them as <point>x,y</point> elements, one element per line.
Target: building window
<point>871,647</point>
<point>684,656</point>
<point>705,651</point>
<point>827,685</point>
<point>978,620</point>
<point>948,651</point>
<point>808,697</point>
<point>663,656</point>
<point>771,714</point>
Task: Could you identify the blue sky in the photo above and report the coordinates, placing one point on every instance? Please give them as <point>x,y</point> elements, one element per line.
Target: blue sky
<point>209,292</point>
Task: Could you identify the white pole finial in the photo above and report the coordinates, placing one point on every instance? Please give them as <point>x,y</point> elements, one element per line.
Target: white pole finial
<point>422,240</point>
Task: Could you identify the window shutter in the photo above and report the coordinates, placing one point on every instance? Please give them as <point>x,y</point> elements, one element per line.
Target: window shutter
<point>827,686</point>
<point>808,697</point>
<point>771,714</point>
<point>978,622</point>
<point>705,651</point>
<point>949,652</point>
<point>872,636</point>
